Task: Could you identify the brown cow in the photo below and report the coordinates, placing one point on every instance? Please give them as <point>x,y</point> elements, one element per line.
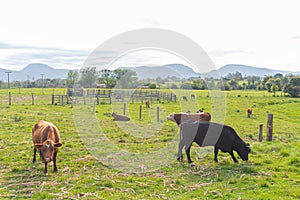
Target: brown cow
<point>249,112</point>
<point>120,117</point>
<point>178,118</point>
<point>147,104</point>
<point>46,139</point>
<point>184,98</point>
<point>193,96</point>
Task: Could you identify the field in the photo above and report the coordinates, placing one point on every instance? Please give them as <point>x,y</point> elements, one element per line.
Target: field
<point>272,172</point>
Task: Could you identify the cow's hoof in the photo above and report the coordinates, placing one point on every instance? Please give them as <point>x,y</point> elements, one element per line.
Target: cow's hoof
<point>180,159</point>
<point>192,165</point>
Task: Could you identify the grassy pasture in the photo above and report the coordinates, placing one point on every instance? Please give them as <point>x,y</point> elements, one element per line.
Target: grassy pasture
<point>273,171</point>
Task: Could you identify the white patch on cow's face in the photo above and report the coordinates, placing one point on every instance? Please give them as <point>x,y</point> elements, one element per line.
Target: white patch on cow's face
<point>48,145</point>
<point>171,117</point>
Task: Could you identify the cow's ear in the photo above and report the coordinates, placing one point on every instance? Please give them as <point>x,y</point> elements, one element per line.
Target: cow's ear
<point>58,144</point>
<point>38,146</point>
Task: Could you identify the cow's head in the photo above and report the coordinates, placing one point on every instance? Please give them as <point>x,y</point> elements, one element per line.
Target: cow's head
<point>243,151</point>
<point>47,149</point>
<point>171,117</point>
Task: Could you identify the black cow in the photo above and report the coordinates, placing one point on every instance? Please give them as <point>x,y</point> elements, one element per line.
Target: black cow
<point>220,136</point>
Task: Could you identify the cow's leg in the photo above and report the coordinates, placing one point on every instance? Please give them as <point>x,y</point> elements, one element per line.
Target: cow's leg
<point>187,151</point>
<point>41,156</point>
<point>54,162</point>
<point>34,155</point>
<point>180,147</point>
<point>216,154</point>
<point>45,169</point>
<point>233,158</point>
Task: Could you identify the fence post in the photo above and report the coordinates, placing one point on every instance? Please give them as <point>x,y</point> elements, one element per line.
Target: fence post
<point>157,114</point>
<point>260,132</point>
<point>32,98</point>
<point>124,109</point>
<point>109,96</point>
<point>94,106</point>
<point>270,127</point>
<point>141,108</point>
<point>52,99</point>
<point>9,98</point>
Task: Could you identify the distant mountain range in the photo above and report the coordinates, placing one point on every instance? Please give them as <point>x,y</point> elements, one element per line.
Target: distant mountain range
<point>34,71</point>
<point>183,71</point>
<point>247,71</point>
<point>178,70</point>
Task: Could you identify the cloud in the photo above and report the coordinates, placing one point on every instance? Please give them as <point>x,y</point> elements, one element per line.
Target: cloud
<point>151,22</point>
<point>296,37</point>
<point>222,52</point>
<point>18,56</point>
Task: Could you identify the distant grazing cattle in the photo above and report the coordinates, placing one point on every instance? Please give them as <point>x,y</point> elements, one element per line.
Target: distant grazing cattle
<point>46,139</point>
<point>118,117</point>
<point>249,112</point>
<point>193,96</point>
<point>147,104</point>
<point>184,98</point>
<point>178,118</point>
<point>220,136</point>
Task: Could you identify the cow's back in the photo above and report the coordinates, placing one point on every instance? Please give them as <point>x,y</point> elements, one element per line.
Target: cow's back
<point>193,131</point>
<point>43,130</point>
<point>202,132</point>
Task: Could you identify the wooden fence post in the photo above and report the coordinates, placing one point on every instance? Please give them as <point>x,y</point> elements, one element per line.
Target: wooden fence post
<point>32,98</point>
<point>52,99</point>
<point>9,98</point>
<point>260,132</point>
<point>124,109</point>
<point>157,114</point>
<point>270,127</point>
<point>141,109</point>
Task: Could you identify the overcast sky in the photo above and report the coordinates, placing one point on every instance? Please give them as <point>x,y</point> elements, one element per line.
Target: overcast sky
<point>63,33</point>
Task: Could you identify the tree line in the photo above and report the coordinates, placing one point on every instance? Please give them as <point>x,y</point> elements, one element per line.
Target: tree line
<point>90,77</point>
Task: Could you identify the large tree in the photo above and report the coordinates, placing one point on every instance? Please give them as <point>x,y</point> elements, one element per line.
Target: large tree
<point>88,77</point>
<point>293,87</point>
<point>108,77</point>
<point>72,78</point>
<point>126,78</point>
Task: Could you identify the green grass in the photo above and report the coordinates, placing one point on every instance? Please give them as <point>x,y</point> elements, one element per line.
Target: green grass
<point>273,171</point>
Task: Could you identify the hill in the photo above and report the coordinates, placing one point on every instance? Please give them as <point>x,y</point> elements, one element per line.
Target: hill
<point>34,71</point>
<point>178,70</point>
<point>246,70</point>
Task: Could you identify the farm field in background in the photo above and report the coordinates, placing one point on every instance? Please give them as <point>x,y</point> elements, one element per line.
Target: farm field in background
<point>273,170</point>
